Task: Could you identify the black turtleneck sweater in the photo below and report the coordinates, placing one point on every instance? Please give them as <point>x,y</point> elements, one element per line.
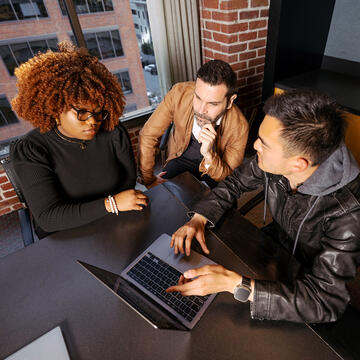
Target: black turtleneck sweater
<point>64,185</point>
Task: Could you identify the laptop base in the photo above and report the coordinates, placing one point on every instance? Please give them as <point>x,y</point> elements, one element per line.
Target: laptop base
<point>147,308</point>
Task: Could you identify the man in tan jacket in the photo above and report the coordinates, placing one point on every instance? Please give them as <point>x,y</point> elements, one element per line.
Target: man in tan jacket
<point>209,132</point>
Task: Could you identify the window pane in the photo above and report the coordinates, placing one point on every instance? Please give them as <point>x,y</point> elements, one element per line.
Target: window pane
<point>126,84</point>
<point>21,52</point>
<point>108,5</point>
<point>40,7</point>
<point>92,44</point>
<point>3,122</point>
<point>129,108</point>
<point>7,113</point>
<point>105,43</point>
<point>25,9</point>
<point>81,7</point>
<point>39,45</point>
<point>117,43</point>
<point>6,12</point>
<point>8,58</point>
<point>95,5</point>
<point>52,43</point>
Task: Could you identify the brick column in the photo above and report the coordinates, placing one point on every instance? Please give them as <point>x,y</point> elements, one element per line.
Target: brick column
<point>8,199</point>
<point>235,31</point>
<point>134,138</point>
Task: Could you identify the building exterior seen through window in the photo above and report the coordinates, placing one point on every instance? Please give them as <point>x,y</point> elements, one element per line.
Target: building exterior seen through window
<point>7,116</point>
<point>103,44</point>
<point>117,32</point>
<point>16,52</point>
<point>124,79</point>
<point>89,6</point>
<point>12,10</point>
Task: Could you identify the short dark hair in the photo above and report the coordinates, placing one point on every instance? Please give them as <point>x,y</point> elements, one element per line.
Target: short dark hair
<point>216,72</point>
<point>313,123</point>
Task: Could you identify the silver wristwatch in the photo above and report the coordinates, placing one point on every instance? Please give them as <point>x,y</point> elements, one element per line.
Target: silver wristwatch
<point>242,291</point>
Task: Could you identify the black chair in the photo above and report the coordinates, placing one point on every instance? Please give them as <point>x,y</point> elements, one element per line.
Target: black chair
<point>24,214</point>
<point>163,144</point>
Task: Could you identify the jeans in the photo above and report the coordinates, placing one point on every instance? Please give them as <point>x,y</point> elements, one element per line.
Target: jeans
<point>181,164</point>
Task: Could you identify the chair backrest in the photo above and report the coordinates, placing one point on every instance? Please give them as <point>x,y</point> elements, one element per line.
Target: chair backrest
<point>163,143</point>
<point>352,136</point>
<point>164,137</point>
<point>13,178</point>
<point>24,214</point>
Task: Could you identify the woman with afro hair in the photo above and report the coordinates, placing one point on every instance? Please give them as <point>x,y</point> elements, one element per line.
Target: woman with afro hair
<point>77,164</point>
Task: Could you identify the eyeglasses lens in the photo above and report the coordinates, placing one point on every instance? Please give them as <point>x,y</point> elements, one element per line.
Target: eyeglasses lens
<point>84,115</point>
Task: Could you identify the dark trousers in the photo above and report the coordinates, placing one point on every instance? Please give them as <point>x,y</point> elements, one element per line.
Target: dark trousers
<point>181,164</point>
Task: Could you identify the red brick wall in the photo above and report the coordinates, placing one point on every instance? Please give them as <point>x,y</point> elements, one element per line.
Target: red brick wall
<point>134,138</point>
<point>235,31</point>
<point>8,199</point>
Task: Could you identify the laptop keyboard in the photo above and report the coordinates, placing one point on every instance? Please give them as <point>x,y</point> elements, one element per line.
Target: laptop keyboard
<point>156,276</point>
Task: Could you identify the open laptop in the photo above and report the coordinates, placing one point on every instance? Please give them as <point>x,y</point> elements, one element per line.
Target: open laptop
<point>143,282</point>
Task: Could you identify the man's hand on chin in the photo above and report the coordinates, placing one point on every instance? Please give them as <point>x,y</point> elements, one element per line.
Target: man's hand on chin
<point>207,137</point>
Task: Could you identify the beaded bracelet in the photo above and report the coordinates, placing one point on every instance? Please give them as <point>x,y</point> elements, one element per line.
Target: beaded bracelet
<point>113,205</point>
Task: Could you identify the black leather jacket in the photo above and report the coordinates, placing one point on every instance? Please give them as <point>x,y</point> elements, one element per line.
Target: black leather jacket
<point>320,224</point>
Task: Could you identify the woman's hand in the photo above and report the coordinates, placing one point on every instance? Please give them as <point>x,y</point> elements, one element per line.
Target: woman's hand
<point>129,200</point>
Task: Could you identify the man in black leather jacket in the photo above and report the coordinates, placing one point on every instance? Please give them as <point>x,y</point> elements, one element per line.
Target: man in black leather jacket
<point>312,188</point>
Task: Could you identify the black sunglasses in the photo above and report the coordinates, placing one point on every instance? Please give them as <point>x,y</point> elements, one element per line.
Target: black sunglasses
<point>83,115</point>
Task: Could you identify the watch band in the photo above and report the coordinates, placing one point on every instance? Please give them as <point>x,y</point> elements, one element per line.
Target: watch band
<point>246,282</point>
<point>242,291</point>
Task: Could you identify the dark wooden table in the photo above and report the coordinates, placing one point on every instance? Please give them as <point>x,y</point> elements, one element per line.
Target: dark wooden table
<point>43,286</point>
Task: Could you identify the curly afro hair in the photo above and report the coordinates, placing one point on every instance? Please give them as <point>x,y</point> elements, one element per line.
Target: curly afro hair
<point>48,84</point>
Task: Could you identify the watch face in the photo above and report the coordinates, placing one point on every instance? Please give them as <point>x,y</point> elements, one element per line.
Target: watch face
<point>242,293</point>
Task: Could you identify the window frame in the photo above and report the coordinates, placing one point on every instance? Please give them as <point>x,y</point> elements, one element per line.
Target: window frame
<point>2,115</point>
<point>99,30</point>
<point>37,18</point>
<point>64,14</point>
<point>27,40</point>
<point>124,70</point>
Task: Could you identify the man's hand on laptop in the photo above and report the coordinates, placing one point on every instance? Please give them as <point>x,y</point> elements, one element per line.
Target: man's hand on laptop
<point>208,279</point>
<point>194,227</point>
<point>158,180</point>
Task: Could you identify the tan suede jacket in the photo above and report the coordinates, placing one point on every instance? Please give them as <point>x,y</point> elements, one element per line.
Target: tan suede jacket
<point>177,107</point>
